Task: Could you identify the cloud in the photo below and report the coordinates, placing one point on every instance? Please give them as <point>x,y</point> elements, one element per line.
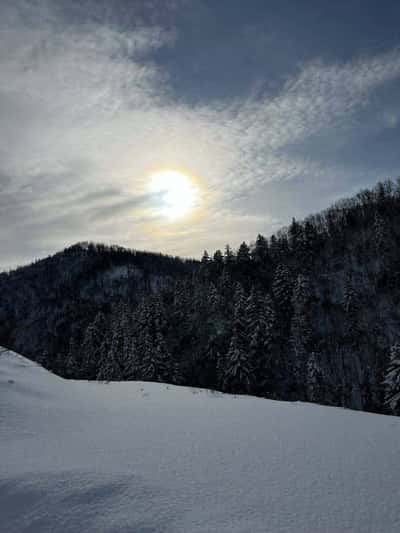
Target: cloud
<point>87,114</point>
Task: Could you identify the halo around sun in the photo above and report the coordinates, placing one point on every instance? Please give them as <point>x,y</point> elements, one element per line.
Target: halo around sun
<point>179,195</point>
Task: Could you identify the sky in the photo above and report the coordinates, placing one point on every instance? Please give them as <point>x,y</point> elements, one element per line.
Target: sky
<point>273,109</point>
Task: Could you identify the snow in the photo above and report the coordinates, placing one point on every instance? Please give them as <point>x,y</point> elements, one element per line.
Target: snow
<point>146,457</point>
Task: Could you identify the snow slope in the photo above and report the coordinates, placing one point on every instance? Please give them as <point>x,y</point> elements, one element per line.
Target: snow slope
<point>146,458</point>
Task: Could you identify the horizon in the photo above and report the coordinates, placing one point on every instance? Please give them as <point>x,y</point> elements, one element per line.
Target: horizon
<point>181,125</point>
<point>234,247</point>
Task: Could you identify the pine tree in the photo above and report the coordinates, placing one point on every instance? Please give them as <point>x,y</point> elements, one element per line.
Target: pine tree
<point>205,258</point>
<point>382,240</point>
<point>238,376</point>
<point>271,364</point>
<point>238,371</point>
<point>156,360</point>
<point>92,341</point>
<point>314,379</point>
<point>257,336</point>
<point>301,328</point>
<point>218,258</point>
<point>131,367</point>
<point>351,305</point>
<point>295,238</point>
<point>229,257</point>
<point>260,252</point>
<point>282,290</point>
<point>72,368</point>
<point>243,254</point>
<point>110,368</point>
<point>392,381</point>
<point>213,299</point>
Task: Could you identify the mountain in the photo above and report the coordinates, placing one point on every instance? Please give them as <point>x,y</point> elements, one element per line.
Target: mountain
<point>139,456</point>
<point>311,313</point>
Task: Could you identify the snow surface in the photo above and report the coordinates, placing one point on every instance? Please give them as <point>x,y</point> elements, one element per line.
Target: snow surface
<point>146,457</point>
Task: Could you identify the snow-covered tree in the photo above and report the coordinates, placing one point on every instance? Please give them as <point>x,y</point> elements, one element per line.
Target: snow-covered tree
<point>260,252</point>
<point>238,369</point>
<point>238,376</point>
<point>72,367</point>
<point>93,339</point>
<point>156,360</point>
<point>243,254</point>
<point>351,305</point>
<point>392,381</point>
<point>314,378</point>
<point>301,328</point>
<point>213,299</point>
<point>229,256</point>
<point>218,258</point>
<point>282,288</point>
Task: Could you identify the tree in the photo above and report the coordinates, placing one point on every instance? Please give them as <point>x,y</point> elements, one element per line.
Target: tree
<point>238,376</point>
<point>238,371</point>
<point>295,236</point>
<point>301,327</point>
<point>93,339</point>
<point>229,257</point>
<point>392,381</point>
<point>382,239</point>
<point>351,305</point>
<point>243,254</point>
<point>260,252</point>
<point>282,289</point>
<point>259,335</point>
<point>72,367</point>
<point>205,258</point>
<point>314,379</point>
<point>213,300</point>
<point>156,359</point>
<point>218,258</point>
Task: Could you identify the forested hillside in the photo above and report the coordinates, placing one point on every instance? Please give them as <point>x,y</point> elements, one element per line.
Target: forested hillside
<point>311,313</point>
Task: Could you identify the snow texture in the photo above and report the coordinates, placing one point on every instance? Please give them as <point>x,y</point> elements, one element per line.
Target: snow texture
<point>144,457</point>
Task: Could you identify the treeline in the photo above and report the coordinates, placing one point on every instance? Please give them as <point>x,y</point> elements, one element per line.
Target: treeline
<point>311,313</point>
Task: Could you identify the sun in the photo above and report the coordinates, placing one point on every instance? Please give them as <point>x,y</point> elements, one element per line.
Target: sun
<point>179,195</point>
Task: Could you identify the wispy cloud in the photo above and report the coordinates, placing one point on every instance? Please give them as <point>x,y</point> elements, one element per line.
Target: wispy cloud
<point>87,114</point>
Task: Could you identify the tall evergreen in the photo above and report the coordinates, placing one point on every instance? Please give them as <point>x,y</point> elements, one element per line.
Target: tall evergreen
<point>282,289</point>
<point>314,379</point>
<point>351,305</point>
<point>301,336</point>
<point>238,369</point>
<point>93,339</point>
<point>392,381</point>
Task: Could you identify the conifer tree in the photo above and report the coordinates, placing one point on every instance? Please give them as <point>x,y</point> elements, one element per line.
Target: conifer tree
<point>72,369</point>
<point>238,371</point>
<point>238,376</point>
<point>213,301</point>
<point>229,257</point>
<point>260,252</point>
<point>392,381</point>
<point>92,341</point>
<point>205,258</point>
<point>314,378</point>
<point>351,305</point>
<point>282,289</point>
<point>218,258</point>
<point>382,238</point>
<point>156,359</point>
<point>301,328</point>
<point>243,254</point>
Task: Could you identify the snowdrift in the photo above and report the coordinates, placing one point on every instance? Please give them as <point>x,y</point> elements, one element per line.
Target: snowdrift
<point>146,457</point>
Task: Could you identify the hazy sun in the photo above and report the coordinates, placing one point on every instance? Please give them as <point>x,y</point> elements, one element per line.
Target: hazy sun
<point>179,194</point>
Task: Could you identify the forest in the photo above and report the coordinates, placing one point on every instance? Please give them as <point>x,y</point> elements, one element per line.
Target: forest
<point>311,313</point>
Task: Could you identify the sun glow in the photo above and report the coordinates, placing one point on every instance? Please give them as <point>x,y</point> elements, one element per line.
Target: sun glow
<point>179,194</point>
